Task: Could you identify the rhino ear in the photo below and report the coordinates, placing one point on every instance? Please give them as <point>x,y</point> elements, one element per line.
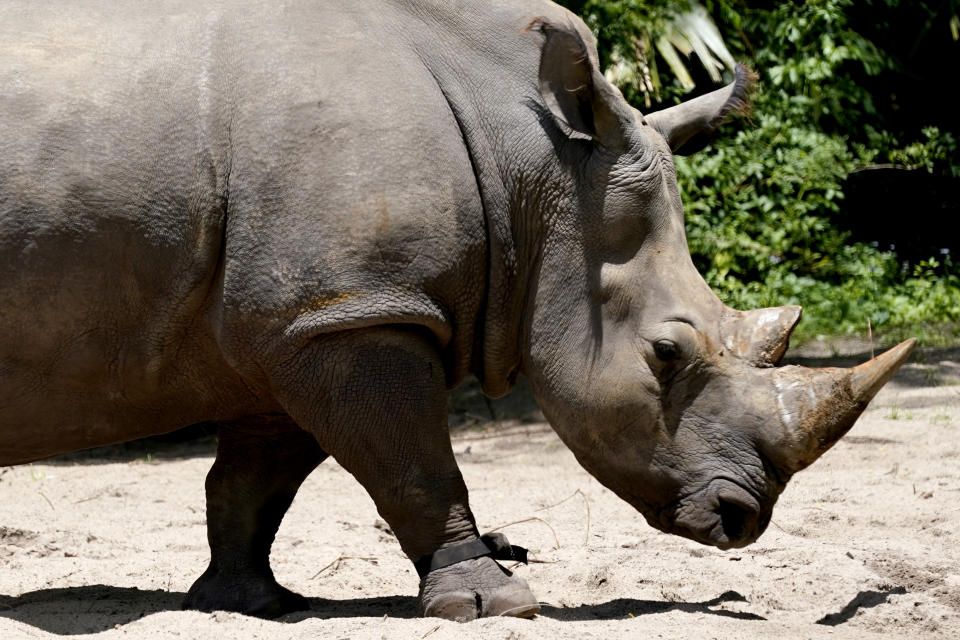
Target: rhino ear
<point>574,90</point>
<point>688,127</point>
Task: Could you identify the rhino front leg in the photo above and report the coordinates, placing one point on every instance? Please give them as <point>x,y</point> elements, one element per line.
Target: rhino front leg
<point>261,462</point>
<point>376,401</point>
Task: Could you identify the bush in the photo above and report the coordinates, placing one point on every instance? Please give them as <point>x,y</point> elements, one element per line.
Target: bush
<point>766,218</point>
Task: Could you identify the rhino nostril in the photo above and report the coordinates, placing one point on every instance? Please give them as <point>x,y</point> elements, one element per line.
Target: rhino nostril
<point>736,519</point>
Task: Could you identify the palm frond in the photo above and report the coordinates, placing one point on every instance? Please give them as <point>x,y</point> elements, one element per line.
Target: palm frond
<point>682,34</point>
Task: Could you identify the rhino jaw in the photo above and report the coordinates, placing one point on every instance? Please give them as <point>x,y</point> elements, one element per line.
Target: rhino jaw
<point>818,406</point>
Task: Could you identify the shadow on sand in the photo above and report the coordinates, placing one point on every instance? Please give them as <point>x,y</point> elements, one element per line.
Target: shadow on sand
<point>629,607</point>
<point>863,600</point>
<point>96,608</point>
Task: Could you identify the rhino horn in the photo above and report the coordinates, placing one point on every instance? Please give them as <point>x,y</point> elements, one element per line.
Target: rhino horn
<point>818,406</point>
<point>688,126</point>
<point>761,336</point>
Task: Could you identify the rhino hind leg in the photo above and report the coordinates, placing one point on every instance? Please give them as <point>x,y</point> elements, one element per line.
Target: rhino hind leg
<point>378,406</point>
<point>261,462</point>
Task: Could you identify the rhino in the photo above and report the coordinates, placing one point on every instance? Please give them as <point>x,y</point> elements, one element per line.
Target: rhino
<point>307,221</point>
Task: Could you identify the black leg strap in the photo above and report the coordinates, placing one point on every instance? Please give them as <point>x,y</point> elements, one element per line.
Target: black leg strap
<point>494,545</point>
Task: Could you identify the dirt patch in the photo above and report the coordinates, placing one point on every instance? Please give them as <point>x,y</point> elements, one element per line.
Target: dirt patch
<point>865,543</point>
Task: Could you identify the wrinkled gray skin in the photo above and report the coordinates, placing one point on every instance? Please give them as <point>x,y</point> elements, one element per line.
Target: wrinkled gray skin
<point>307,220</point>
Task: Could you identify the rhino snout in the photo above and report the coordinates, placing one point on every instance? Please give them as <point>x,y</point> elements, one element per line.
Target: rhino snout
<point>722,514</point>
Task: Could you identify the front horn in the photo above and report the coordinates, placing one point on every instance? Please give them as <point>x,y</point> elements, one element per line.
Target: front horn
<point>818,406</point>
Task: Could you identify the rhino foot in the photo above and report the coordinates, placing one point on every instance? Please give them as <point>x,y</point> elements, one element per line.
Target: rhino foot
<point>477,588</point>
<point>259,596</point>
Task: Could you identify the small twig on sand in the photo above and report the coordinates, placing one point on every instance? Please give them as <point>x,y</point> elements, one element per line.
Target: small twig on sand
<point>557,504</point>
<point>340,559</point>
<point>789,533</point>
<point>503,433</point>
<point>549,526</point>
<point>586,503</point>
<point>47,499</point>
<point>556,540</point>
<point>429,632</point>
<point>531,561</point>
<point>89,498</point>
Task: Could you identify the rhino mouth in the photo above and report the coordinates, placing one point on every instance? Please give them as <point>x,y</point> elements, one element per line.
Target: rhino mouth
<point>722,514</point>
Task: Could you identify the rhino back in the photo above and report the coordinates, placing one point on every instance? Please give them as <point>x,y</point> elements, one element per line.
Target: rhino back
<point>186,190</point>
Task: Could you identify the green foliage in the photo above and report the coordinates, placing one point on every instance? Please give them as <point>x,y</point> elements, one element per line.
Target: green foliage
<point>938,153</point>
<point>765,202</point>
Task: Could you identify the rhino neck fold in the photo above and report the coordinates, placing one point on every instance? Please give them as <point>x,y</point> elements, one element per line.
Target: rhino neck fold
<point>496,355</point>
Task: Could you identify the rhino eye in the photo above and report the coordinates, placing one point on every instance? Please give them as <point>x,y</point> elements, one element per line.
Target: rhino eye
<point>665,350</point>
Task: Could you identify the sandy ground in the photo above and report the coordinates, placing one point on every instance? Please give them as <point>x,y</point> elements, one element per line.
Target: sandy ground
<point>864,543</point>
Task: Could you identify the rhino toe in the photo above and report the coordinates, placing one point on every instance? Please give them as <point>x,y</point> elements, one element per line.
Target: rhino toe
<point>477,588</point>
<point>459,606</point>
<point>258,596</point>
<point>514,600</point>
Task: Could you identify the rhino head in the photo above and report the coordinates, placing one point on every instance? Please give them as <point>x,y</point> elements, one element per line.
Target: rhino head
<point>667,396</point>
